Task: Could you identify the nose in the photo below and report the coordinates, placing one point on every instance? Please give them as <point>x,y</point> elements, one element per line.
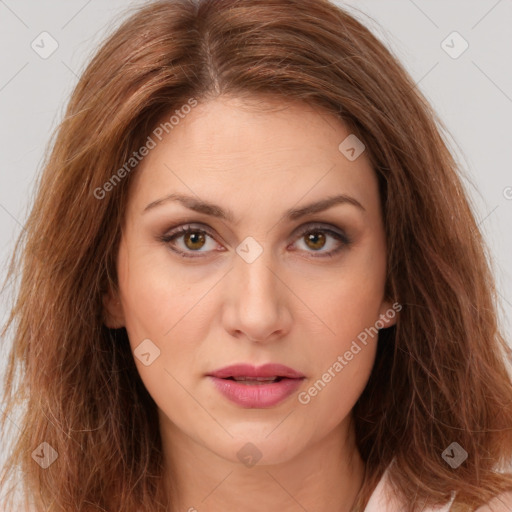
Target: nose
<point>256,301</point>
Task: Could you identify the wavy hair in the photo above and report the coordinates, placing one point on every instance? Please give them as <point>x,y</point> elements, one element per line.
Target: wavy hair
<point>441,374</point>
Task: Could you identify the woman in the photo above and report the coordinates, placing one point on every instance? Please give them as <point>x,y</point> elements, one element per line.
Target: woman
<point>251,280</point>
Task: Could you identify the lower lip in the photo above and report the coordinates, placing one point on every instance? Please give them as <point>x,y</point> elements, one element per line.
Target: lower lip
<point>256,395</point>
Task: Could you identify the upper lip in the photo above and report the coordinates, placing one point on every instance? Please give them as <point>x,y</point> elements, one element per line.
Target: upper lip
<point>248,370</point>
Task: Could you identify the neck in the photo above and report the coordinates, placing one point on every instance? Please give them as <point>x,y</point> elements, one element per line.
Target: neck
<point>327,475</point>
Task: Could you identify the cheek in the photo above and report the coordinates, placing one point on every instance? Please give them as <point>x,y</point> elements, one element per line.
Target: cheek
<point>157,297</point>
<point>350,299</point>
<point>162,305</point>
<point>349,342</point>
<point>329,397</point>
<point>342,359</point>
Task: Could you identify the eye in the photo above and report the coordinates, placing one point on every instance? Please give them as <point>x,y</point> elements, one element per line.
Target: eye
<point>194,239</point>
<point>314,238</point>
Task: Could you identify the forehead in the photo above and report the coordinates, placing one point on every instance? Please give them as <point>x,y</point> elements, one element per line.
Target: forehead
<point>232,149</point>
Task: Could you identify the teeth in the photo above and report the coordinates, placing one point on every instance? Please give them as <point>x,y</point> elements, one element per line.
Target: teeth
<point>256,379</point>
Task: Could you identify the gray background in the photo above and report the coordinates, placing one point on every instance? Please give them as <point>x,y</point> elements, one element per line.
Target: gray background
<point>471,93</point>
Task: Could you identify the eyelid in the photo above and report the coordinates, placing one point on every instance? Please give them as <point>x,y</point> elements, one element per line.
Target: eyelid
<point>188,226</point>
<point>324,226</point>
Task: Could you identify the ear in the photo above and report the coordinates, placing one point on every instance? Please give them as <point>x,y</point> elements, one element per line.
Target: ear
<point>388,314</point>
<point>113,314</point>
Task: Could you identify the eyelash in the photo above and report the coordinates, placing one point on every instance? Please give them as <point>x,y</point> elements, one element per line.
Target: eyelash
<point>315,228</point>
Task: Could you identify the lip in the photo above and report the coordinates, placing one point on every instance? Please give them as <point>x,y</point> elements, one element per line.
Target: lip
<point>248,370</point>
<point>256,396</point>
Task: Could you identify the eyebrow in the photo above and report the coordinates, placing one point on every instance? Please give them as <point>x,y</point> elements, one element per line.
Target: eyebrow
<point>214,210</point>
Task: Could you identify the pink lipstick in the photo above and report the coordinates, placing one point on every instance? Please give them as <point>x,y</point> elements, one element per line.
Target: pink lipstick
<point>256,387</point>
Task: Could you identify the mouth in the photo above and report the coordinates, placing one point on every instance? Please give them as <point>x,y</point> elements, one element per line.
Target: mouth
<point>255,381</point>
<point>256,387</point>
<point>265,373</point>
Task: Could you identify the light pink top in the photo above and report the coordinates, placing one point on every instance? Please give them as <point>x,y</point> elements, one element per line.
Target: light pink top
<point>383,500</point>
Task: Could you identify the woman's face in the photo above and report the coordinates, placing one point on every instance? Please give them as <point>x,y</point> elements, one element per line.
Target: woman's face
<point>252,283</point>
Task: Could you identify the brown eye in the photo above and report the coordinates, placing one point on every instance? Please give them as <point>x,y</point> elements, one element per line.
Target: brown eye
<point>187,240</point>
<point>321,241</point>
<point>194,240</point>
<point>315,240</point>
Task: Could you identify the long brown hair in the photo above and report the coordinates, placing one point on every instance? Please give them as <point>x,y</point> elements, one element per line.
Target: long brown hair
<point>441,373</point>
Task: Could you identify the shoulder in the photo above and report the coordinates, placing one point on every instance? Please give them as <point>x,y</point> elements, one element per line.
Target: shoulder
<point>384,500</point>
<point>502,503</point>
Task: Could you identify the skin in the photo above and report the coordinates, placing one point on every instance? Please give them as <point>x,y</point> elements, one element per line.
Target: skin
<point>290,305</point>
